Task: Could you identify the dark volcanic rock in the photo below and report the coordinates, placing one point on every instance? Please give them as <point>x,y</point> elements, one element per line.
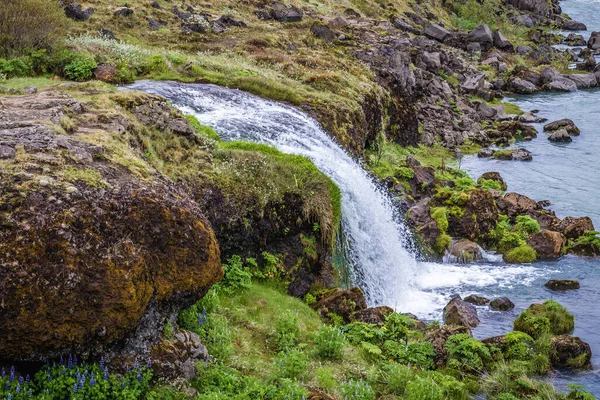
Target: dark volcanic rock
<point>465,251</point>
<point>74,11</point>
<point>521,86</point>
<point>372,315</point>
<point>502,304</point>
<point>570,351</point>
<point>594,41</point>
<point>547,244</point>
<point>323,32</point>
<point>573,227</point>
<point>461,313</point>
<point>575,40</point>
<point>560,135</point>
<point>177,357</point>
<point>477,300</point>
<point>286,14</point>
<point>123,12</point>
<point>565,123</point>
<point>436,32</point>
<point>562,285</point>
<point>482,35</point>
<point>502,43</point>
<point>570,25</point>
<point>107,34</point>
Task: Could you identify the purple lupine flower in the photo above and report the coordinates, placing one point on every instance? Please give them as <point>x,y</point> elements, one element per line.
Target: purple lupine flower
<point>75,388</point>
<point>21,379</point>
<point>81,383</point>
<point>62,361</point>
<point>92,380</point>
<point>135,365</point>
<point>9,396</point>
<point>27,378</point>
<point>139,377</point>
<point>123,384</point>
<point>12,373</point>
<point>101,363</point>
<point>106,373</point>
<point>149,363</point>
<point>75,359</point>
<point>7,387</point>
<point>49,377</point>
<point>3,372</point>
<point>18,388</point>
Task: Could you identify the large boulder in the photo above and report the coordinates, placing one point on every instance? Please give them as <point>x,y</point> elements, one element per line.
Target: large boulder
<point>479,217</point>
<point>75,12</point>
<point>482,35</point>
<point>541,8</point>
<point>583,81</point>
<point>564,123</point>
<point>561,85</point>
<point>573,227</point>
<point>465,251</point>
<point>323,32</point>
<point>286,14</point>
<point>502,43</point>
<point>460,313</point>
<point>547,244</point>
<point>436,32</point>
<point>515,204</point>
<point>575,40</point>
<point>571,352</point>
<point>570,25</point>
<point>343,303</point>
<point>477,300</point>
<point>522,86</point>
<point>519,154</point>
<point>372,315</point>
<point>594,41</point>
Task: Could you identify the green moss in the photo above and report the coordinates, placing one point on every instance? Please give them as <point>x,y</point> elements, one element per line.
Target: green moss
<point>488,184</point>
<point>441,243</point>
<point>549,317</point>
<point>526,225</point>
<point>440,216</point>
<point>88,176</point>
<point>522,254</point>
<point>203,130</point>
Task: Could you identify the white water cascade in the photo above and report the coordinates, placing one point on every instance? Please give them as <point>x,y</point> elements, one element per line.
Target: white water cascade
<point>376,241</point>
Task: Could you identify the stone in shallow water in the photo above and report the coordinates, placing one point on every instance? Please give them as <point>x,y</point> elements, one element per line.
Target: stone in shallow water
<point>460,313</point>
<point>562,284</point>
<point>477,300</point>
<point>502,304</point>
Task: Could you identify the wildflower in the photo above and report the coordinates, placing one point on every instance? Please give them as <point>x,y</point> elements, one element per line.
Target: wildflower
<point>92,380</point>
<point>135,365</point>
<point>70,362</point>
<point>149,363</point>
<point>3,372</point>
<point>106,373</point>
<point>49,377</point>
<point>27,378</point>
<point>75,360</point>
<point>9,396</point>
<point>62,361</point>
<point>18,388</point>
<point>12,373</point>
<point>139,377</point>
<point>21,379</point>
<point>7,387</point>
<point>75,388</point>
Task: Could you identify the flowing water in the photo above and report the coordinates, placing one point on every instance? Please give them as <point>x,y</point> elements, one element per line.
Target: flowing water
<point>377,240</point>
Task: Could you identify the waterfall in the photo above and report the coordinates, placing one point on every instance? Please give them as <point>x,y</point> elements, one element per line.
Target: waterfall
<point>375,239</point>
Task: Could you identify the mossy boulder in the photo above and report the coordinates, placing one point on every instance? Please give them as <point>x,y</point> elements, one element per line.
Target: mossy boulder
<point>570,351</point>
<point>562,284</point>
<point>460,313</point>
<point>475,218</point>
<point>340,303</point>
<point>549,317</point>
<point>522,254</point>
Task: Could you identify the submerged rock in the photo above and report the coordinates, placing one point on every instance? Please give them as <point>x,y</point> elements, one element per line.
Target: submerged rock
<point>560,135</point>
<point>477,300</point>
<point>465,251</point>
<point>460,313</point>
<point>562,285</point>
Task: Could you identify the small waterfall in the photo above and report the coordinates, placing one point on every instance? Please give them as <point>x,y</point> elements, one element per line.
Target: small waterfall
<point>375,240</point>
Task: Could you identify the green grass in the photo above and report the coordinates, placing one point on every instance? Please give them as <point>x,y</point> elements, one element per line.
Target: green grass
<point>20,83</point>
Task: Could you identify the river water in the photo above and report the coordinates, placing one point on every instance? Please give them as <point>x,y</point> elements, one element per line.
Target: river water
<point>567,174</point>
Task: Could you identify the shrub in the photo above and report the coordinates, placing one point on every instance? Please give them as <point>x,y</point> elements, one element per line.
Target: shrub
<point>398,377</point>
<point>357,390</point>
<point>424,388</point>
<point>467,354</point>
<point>288,331</point>
<point>397,326</point>
<point>329,342</point>
<point>522,254</point>
<point>526,224</point>
<point>14,67</point>
<point>326,379</point>
<point>157,63</point>
<point>405,173</point>
<point>81,67</point>
<point>519,346</point>
<point>371,351</point>
<point>30,25</point>
<point>237,277</point>
<point>357,332</point>
<point>215,335</point>
<point>290,364</point>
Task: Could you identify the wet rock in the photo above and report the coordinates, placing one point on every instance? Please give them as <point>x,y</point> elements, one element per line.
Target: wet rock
<point>343,303</point>
<point>560,135</point>
<point>106,73</point>
<point>372,315</point>
<point>570,25</point>
<point>519,154</point>
<point>482,35</point>
<point>485,153</point>
<point>573,227</point>
<point>438,335</point>
<point>494,176</point>
<point>502,43</point>
<point>477,300</point>
<point>521,86</point>
<point>323,32</point>
<point>547,244</point>
<point>583,81</point>
<point>566,124</point>
<point>570,351</point>
<point>75,12</point>
<point>501,304</point>
<point>575,40</point>
<point>436,32</point>
<point>480,216</point>
<point>562,285</point>
<point>465,251</point>
<point>594,41</point>
<point>286,14</point>
<point>514,204</point>
<point>123,12</point>
<point>177,357</point>
<point>530,118</point>
<point>461,313</point>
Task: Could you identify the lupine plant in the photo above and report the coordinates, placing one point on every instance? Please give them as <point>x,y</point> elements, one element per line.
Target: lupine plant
<point>69,379</point>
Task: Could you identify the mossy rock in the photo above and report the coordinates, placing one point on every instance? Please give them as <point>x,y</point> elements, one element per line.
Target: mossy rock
<point>540,319</point>
<point>521,255</point>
